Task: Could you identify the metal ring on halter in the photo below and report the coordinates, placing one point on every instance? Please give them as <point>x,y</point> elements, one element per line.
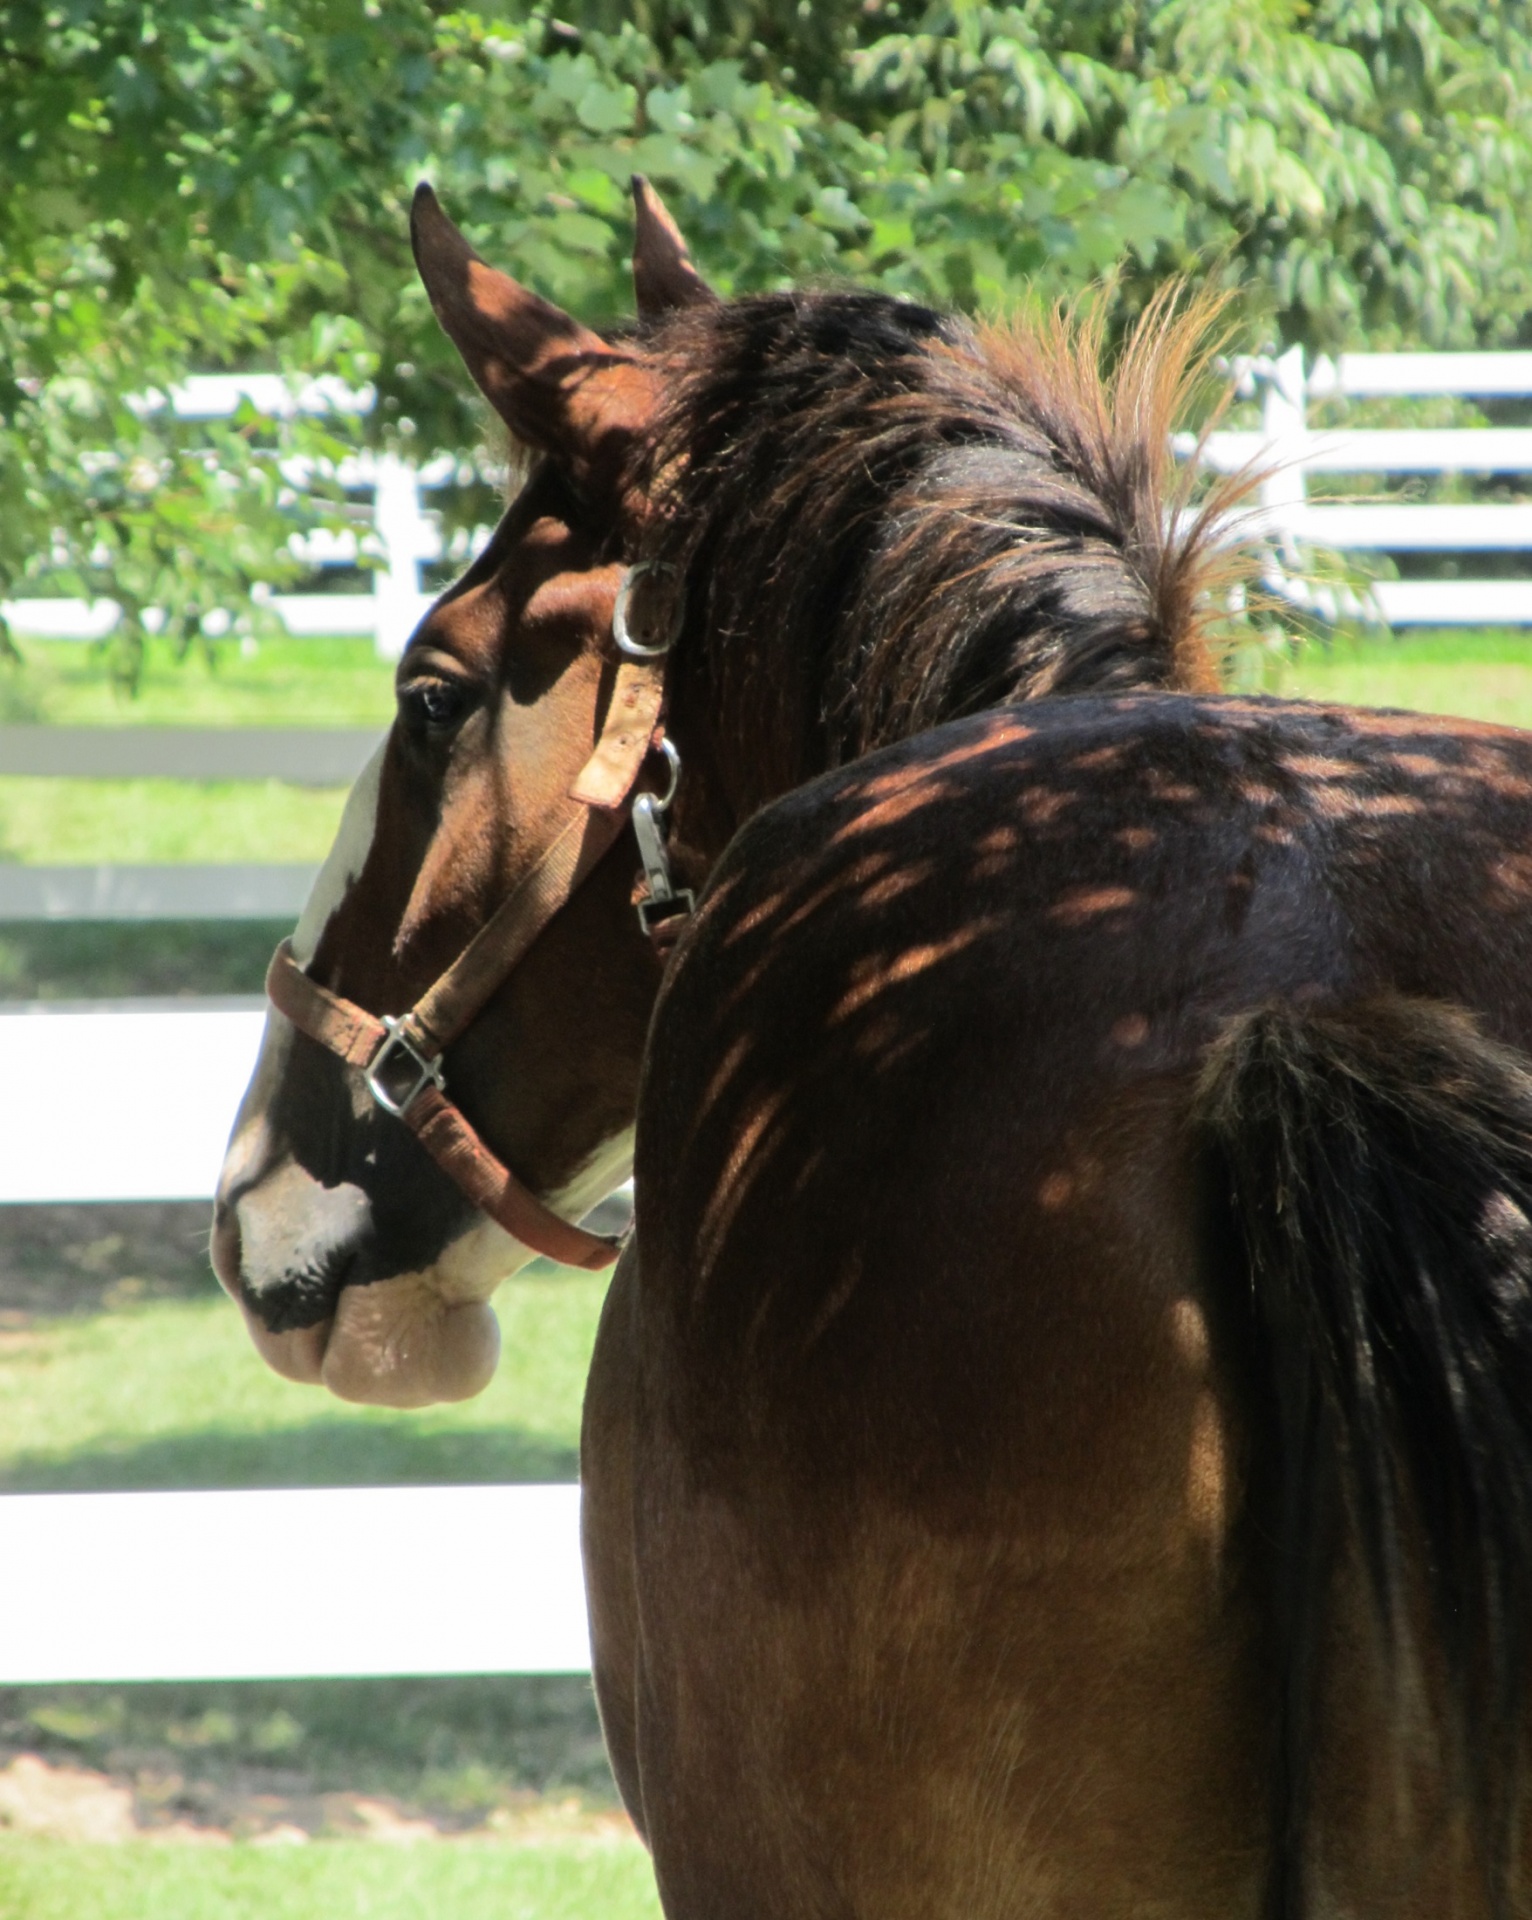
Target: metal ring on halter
<point>673,761</point>
<point>634,649</point>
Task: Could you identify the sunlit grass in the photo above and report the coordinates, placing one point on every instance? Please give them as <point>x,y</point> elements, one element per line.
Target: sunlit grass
<point>1484,675</point>
<point>458,1880</point>
<point>172,1394</point>
<point>81,822</point>
<point>285,683</point>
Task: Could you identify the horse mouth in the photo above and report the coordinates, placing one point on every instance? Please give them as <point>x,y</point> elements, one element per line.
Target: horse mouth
<point>306,1298</point>
<point>405,1341</point>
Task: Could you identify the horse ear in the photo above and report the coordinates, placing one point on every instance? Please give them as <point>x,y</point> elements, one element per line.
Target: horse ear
<point>557,385</point>
<point>663,275</point>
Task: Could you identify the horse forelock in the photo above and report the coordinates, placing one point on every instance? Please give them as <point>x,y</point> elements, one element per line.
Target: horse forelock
<point>887,518</point>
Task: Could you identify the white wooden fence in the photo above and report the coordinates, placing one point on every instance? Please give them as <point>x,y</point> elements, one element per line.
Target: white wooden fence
<point>1294,522</point>
<point>402,536</point>
<point>134,1102</point>
<point>405,534</point>
<point>291,1583</point>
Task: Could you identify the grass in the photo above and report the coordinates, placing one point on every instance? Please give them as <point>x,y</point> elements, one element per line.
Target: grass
<point>1477,674</point>
<point>170,1393</point>
<point>106,960</point>
<point>1480,675</point>
<point>470,1880</point>
<point>489,1752</point>
<point>291,683</point>
<point>122,1366</point>
<point>82,822</point>
<point>285,683</point>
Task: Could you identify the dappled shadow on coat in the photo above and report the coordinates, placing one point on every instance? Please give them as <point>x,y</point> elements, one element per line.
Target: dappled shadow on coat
<point>916,982</point>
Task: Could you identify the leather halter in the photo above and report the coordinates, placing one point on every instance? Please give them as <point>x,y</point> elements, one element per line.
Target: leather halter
<point>415,1041</point>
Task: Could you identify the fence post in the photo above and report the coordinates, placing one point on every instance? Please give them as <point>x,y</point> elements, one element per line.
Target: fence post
<point>404,534</point>
<point>1285,426</point>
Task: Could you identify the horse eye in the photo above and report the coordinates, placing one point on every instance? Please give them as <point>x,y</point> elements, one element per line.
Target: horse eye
<point>434,704</point>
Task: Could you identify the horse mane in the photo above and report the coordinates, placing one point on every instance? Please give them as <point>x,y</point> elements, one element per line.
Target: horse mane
<point>887,518</point>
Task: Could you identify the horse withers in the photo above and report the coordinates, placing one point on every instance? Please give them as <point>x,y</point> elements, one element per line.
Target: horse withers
<point>1057,1442</point>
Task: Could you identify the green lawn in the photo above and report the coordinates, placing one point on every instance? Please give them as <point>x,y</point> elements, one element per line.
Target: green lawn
<point>286,683</point>
<point>170,1393</point>
<point>122,1367</point>
<point>1483,675</point>
<point>106,960</point>
<point>1476,675</point>
<point>461,1880</point>
<point>82,822</point>
<point>291,683</point>
<point>517,1756</point>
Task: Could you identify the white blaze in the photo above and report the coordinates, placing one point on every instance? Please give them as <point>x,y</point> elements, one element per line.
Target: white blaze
<point>422,1337</point>
<point>344,861</point>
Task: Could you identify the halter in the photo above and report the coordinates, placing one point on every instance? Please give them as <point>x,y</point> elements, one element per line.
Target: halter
<point>400,1056</point>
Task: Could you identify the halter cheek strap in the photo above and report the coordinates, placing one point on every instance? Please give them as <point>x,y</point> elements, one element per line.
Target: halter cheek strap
<point>400,1057</point>
<point>365,1042</point>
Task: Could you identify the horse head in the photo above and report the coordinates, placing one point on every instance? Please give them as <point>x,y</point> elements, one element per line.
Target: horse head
<point>855,519</point>
<point>358,1258</point>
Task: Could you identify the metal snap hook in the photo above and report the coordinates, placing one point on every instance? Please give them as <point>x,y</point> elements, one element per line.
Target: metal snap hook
<point>622,637</point>
<point>673,762</point>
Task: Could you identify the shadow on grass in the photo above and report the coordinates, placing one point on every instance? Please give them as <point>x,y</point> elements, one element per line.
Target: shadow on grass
<point>454,1745</point>
<point>92,959</point>
<point>324,1453</point>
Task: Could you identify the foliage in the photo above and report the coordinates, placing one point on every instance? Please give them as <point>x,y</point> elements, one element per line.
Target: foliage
<point>192,187</point>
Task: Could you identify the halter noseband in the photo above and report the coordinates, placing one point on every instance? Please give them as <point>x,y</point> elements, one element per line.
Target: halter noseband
<point>400,1056</point>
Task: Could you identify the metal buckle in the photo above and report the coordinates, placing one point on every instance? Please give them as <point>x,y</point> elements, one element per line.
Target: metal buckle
<point>621,635</point>
<point>430,1071</point>
<point>654,913</point>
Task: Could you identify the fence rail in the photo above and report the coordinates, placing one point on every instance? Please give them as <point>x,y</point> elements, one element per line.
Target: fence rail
<point>299,756</point>
<point>122,1100</point>
<point>1294,450</point>
<point>291,1583</point>
<point>256,892</point>
<point>278,1583</point>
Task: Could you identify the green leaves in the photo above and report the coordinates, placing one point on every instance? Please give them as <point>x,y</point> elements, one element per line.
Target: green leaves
<point>192,187</point>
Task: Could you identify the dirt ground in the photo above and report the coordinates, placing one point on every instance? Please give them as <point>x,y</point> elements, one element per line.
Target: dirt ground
<point>68,1802</point>
<point>65,1261</point>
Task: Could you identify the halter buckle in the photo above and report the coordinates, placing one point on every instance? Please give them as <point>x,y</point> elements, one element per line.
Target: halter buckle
<point>428,1071</point>
<point>621,632</point>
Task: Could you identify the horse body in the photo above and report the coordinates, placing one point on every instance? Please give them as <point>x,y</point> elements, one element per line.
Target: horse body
<point>1060,1440</point>
<point>942,1595</point>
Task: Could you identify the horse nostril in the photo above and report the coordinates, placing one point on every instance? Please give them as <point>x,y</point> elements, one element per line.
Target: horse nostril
<point>295,1244</point>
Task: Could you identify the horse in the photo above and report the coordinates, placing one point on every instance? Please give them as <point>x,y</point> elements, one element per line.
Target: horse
<point>1059,1438</point>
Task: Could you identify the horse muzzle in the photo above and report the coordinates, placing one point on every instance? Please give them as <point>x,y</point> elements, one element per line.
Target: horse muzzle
<point>298,1257</point>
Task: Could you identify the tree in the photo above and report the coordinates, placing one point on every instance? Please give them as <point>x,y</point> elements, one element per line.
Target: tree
<point>194,187</point>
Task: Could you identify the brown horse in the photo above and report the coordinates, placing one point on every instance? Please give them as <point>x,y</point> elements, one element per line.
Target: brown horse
<point>1060,1441</point>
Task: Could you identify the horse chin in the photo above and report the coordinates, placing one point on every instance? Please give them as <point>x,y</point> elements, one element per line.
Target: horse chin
<point>401,1343</point>
<point>413,1339</point>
